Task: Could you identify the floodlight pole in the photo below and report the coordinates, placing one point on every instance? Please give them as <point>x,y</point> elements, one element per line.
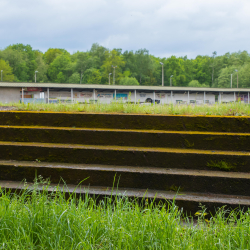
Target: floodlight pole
<point>171,80</point>
<point>35,74</point>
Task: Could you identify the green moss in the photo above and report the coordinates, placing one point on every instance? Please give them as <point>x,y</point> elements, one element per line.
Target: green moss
<point>188,144</point>
<point>222,165</point>
<point>175,188</point>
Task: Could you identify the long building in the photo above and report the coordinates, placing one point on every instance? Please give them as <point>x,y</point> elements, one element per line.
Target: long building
<point>91,93</point>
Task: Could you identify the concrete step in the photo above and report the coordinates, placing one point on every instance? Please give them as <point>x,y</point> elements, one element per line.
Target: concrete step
<point>189,201</point>
<point>127,156</point>
<point>125,137</point>
<point>130,177</point>
<point>126,121</point>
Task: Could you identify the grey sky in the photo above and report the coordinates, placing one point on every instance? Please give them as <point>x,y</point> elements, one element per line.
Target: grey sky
<point>164,27</point>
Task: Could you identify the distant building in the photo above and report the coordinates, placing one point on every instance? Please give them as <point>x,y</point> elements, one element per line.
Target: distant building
<point>90,93</point>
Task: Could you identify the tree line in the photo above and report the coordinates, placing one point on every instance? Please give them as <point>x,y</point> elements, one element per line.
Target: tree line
<point>19,62</point>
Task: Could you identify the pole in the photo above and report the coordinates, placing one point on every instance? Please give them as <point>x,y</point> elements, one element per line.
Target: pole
<point>154,96</point>
<point>162,76</point>
<point>248,98</point>
<point>72,96</point>
<point>219,97</point>
<point>109,79</point>
<point>94,95</point>
<point>35,76</point>
<point>115,94</point>
<point>135,96</point>
<point>170,82</point>
<point>1,75</point>
<point>234,96</point>
<point>188,97</point>
<point>171,96</point>
<point>48,94</point>
<point>204,97</point>
<point>231,80</point>
<point>22,95</point>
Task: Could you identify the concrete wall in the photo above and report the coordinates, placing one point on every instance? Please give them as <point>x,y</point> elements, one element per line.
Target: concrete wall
<point>8,95</point>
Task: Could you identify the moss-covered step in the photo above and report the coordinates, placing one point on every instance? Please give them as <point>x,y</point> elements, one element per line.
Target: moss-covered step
<point>127,121</point>
<point>130,177</point>
<point>188,201</point>
<point>122,137</point>
<point>127,156</point>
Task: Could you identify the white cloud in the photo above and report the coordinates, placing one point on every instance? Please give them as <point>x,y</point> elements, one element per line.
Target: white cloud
<point>164,27</point>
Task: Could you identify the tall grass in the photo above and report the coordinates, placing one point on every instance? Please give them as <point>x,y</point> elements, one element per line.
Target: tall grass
<point>230,109</point>
<point>36,219</point>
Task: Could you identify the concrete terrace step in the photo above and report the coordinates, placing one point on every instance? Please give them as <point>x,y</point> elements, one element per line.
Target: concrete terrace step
<point>127,156</point>
<point>127,121</point>
<point>233,183</point>
<point>189,201</point>
<point>125,137</point>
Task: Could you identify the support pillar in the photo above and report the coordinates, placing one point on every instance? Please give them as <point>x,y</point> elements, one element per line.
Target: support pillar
<point>94,95</point>
<point>22,95</point>
<point>48,94</point>
<point>204,97</point>
<point>72,96</point>
<point>188,98</point>
<point>154,97</point>
<point>234,96</point>
<point>135,96</point>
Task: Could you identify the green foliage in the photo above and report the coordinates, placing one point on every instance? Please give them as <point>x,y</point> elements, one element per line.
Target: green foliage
<point>75,78</point>
<point>128,81</point>
<point>196,84</point>
<point>113,60</point>
<point>92,76</point>
<point>7,74</point>
<point>230,109</point>
<point>58,65</point>
<point>61,64</point>
<point>222,165</point>
<point>41,217</point>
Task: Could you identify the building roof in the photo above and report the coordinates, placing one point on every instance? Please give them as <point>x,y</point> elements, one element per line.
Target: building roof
<point>118,87</point>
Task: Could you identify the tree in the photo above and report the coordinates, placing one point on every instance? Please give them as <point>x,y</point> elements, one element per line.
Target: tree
<point>99,53</point>
<point>28,56</point>
<point>74,78</point>
<point>112,60</point>
<point>175,66</point>
<point>128,81</point>
<point>7,71</point>
<point>196,84</point>
<point>42,68</point>
<point>60,78</point>
<point>16,60</point>
<point>51,54</point>
<point>224,79</point>
<point>144,65</point>
<point>92,76</point>
<point>62,64</point>
<point>83,62</point>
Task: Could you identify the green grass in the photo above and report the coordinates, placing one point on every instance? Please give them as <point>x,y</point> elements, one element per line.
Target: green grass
<point>231,109</point>
<point>41,220</point>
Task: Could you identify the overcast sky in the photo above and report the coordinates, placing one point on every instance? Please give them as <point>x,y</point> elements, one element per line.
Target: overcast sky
<point>164,27</point>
